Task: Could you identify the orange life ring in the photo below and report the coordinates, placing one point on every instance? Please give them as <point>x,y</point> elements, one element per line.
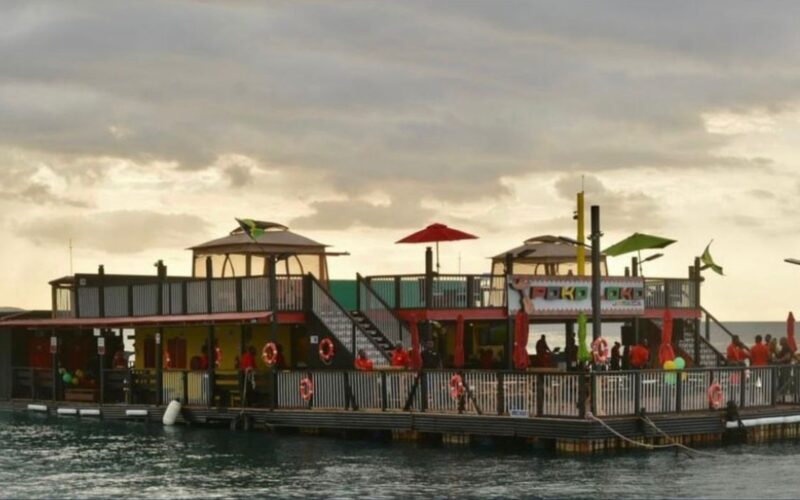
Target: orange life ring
<point>456,386</point>
<point>715,396</point>
<point>217,356</point>
<point>306,389</point>
<point>600,350</point>
<point>327,350</point>
<point>269,353</point>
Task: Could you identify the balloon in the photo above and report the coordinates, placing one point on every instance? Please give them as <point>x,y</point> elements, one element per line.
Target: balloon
<point>67,378</point>
<point>680,363</point>
<point>79,373</point>
<point>669,365</point>
<point>670,378</point>
<point>61,371</point>
<point>76,381</point>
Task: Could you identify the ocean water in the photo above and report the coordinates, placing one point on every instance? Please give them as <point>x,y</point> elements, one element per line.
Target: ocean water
<point>61,457</point>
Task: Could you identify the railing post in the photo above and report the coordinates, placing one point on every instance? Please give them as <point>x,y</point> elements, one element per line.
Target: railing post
<point>583,392</point>
<point>359,279</point>
<point>774,384</point>
<point>209,298</point>
<point>130,299</point>
<point>708,328</point>
<point>501,393</point>
<point>593,394</point>
<point>211,351</point>
<point>398,302</point>
<point>160,291</point>
<point>184,297</point>
<point>384,392</point>
<point>667,294</point>
<point>101,295</point>
<point>185,386</point>
<point>33,382</point>
<point>470,292</point>
<point>274,395</point>
<point>678,391</point>
<point>76,297</point>
<point>348,392</point>
<point>637,392</point>
<point>428,278</point>
<point>159,367</point>
<point>423,386</point>
<point>54,363</point>
<point>239,294</point>
<point>353,339</point>
<point>129,384</point>
<point>539,394</point>
<point>742,388</point>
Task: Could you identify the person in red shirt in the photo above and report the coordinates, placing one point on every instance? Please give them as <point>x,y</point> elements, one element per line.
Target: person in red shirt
<point>759,353</point>
<point>248,360</point>
<point>400,357</point>
<point>736,352</point>
<point>362,362</point>
<point>640,355</point>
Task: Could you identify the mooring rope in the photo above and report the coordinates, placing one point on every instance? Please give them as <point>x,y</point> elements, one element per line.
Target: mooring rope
<point>671,439</point>
<point>673,444</point>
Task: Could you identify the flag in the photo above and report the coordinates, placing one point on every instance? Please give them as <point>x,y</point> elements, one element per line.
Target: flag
<point>708,260</point>
<point>250,228</point>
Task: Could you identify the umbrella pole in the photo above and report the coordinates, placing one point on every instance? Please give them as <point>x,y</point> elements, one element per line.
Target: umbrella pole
<point>437,257</point>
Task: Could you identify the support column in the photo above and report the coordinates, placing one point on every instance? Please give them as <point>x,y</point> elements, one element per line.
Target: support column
<point>597,325</point>
<point>428,278</point>
<point>101,357</point>
<point>160,366</point>
<point>101,295</point>
<point>54,361</point>
<point>211,365</point>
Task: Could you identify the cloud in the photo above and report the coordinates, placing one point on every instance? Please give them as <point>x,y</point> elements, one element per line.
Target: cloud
<point>42,194</point>
<point>115,232</point>
<point>449,99</point>
<point>346,214</point>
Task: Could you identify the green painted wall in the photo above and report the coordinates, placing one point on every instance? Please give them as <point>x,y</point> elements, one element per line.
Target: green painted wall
<point>344,291</point>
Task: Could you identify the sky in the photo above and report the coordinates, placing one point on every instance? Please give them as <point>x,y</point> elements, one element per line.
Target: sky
<point>136,129</point>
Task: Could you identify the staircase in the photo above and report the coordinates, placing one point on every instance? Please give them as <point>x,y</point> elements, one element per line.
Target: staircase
<point>343,326</point>
<point>378,319</point>
<point>709,355</point>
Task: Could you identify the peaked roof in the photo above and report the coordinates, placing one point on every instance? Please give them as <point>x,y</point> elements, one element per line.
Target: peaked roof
<point>276,239</point>
<point>545,248</point>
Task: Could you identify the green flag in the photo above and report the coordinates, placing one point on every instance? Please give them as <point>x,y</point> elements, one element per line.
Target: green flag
<point>708,260</point>
<point>583,349</point>
<point>250,228</point>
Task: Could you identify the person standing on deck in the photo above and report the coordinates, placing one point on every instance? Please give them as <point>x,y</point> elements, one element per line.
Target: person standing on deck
<point>640,355</point>
<point>615,356</point>
<point>248,360</point>
<point>759,353</point>
<point>431,358</point>
<point>736,352</point>
<point>400,357</point>
<point>247,364</point>
<point>571,351</point>
<point>204,358</point>
<point>363,363</point>
<point>543,352</point>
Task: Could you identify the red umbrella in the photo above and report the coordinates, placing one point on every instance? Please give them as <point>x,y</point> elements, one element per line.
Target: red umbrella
<point>790,332</point>
<point>458,357</point>
<point>665,352</point>
<point>521,329</point>
<point>415,354</point>
<point>436,233</point>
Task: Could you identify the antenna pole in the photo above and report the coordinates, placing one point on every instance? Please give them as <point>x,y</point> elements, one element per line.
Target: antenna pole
<point>70,257</point>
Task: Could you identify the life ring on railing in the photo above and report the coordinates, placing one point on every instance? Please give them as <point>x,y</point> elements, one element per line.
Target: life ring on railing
<point>306,389</point>
<point>715,396</point>
<point>600,350</point>
<point>269,353</point>
<point>456,386</point>
<point>327,350</point>
<point>217,357</point>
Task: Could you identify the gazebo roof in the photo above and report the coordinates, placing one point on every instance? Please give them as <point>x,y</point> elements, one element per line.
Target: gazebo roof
<point>276,239</point>
<point>545,249</point>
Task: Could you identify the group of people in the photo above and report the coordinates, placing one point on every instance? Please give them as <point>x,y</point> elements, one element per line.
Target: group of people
<point>766,351</point>
<point>401,358</point>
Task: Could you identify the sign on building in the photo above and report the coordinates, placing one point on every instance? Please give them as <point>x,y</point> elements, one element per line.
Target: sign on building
<point>570,295</point>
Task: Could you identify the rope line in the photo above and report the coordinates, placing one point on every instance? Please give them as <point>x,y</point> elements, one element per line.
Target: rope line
<point>671,439</point>
<point>637,443</point>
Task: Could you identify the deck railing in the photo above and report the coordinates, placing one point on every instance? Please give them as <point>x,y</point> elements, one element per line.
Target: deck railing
<point>516,394</point>
<point>147,296</point>
<point>447,291</point>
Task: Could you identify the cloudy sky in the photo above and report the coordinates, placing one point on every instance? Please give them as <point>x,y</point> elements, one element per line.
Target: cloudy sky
<point>139,128</point>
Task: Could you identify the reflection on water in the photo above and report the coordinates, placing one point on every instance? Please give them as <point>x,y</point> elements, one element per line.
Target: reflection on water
<point>45,457</point>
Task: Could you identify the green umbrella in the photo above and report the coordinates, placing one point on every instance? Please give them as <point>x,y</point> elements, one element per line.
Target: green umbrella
<point>583,349</point>
<point>636,243</point>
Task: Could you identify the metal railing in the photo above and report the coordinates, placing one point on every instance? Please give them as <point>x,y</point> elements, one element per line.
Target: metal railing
<point>379,313</point>
<point>342,325</point>
<point>178,296</point>
<point>447,291</point>
<point>669,293</point>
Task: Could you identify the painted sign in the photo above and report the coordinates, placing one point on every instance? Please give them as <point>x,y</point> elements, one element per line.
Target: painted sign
<point>570,295</point>
<point>101,346</point>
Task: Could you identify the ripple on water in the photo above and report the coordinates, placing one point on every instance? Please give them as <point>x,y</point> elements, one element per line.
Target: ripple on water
<point>70,458</point>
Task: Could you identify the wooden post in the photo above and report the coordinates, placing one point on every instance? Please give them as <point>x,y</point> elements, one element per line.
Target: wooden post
<point>101,295</point>
<point>209,298</point>
<point>159,366</point>
<point>634,267</point>
<point>398,301</point>
<point>384,395</point>
<point>211,365</point>
<point>273,296</point>
<point>539,394</point>
<point>162,276</point>
<point>742,384</point>
<point>637,392</point>
<point>423,387</point>
<point>597,321</point>
<point>470,292</point>
<point>102,361</point>
<point>239,294</point>
<point>501,393</point>
<point>54,363</point>
<point>76,296</point>
<point>428,278</point>
<point>185,385</point>
<point>678,391</point>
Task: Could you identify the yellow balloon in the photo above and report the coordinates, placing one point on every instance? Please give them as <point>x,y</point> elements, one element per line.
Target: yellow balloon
<point>669,365</point>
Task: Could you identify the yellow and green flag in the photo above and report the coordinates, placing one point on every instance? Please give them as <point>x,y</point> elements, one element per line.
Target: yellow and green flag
<point>708,260</point>
<point>250,228</point>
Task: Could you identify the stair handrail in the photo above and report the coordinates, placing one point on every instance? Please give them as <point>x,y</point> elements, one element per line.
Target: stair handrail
<point>717,322</point>
<point>356,325</point>
<point>400,323</point>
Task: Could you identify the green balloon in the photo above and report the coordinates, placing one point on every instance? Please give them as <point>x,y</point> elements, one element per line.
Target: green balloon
<point>67,378</point>
<point>680,363</point>
<point>670,378</point>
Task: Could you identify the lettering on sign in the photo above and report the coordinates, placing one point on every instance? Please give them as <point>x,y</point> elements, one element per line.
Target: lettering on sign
<point>548,295</point>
